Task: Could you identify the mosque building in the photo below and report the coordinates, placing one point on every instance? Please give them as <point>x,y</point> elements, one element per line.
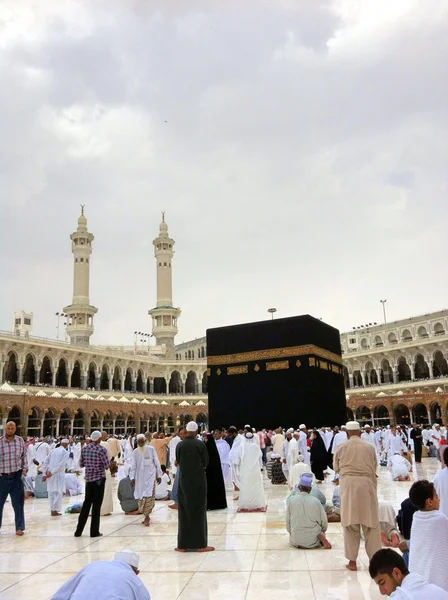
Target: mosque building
<point>395,372</point>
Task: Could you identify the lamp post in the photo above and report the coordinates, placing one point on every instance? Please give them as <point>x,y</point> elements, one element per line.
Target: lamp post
<point>383,302</point>
<point>272,311</point>
<point>59,315</point>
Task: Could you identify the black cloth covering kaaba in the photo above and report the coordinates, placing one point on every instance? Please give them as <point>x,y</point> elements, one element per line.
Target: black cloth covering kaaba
<point>284,371</point>
<point>192,457</point>
<point>216,490</point>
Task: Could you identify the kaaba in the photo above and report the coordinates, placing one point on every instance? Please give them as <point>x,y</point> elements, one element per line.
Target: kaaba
<point>280,372</point>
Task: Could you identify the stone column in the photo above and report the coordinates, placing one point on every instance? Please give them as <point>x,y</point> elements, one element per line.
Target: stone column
<point>363,377</point>
<point>20,375</point>
<point>126,425</point>
<point>134,384</point>
<point>37,375</point>
<point>84,381</point>
<point>200,386</point>
<point>69,377</point>
<point>167,383</point>
<point>87,422</point>
<point>58,421</point>
<point>72,422</point>
<point>53,378</point>
<point>42,427</point>
<point>151,385</point>
<point>102,423</point>
<point>351,381</point>
<point>111,383</point>
<point>113,426</point>
<point>147,424</point>
<point>378,374</point>
<point>4,421</point>
<point>145,385</point>
<point>122,385</point>
<point>395,374</point>
<point>137,425</point>
<point>431,372</point>
<point>412,368</point>
<point>98,382</point>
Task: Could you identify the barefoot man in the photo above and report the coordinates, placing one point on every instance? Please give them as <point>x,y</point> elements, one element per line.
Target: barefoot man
<point>192,458</point>
<point>144,474</point>
<point>355,461</point>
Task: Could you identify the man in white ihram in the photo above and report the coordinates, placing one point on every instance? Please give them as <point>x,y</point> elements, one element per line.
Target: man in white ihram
<point>172,454</point>
<point>303,447</point>
<point>53,471</point>
<point>144,474</point>
<point>112,579</point>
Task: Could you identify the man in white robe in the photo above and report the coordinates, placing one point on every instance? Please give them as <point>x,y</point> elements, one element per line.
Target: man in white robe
<point>32,460</point>
<point>172,454</point>
<point>107,506</point>
<point>144,474</point>
<point>73,486</point>
<point>400,467</point>
<point>116,578</point>
<point>277,441</point>
<point>395,443</point>
<point>436,436</point>
<point>441,483</point>
<point>251,498</point>
<point>235,459</point>
<point>53,470</point>
<point>224,456</point>
<point>285,450</point>
<point>368,436</point>
<point>293,454</point>
<point>297,471</point>
<point>389,571</point>
<point>303,446</point>
<point>339,438</point>
<point>42,450</point>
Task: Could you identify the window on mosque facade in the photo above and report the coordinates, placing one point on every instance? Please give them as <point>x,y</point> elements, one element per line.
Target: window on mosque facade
<point>27,321</point>
<point>352,340</point>
<point>18,321</point>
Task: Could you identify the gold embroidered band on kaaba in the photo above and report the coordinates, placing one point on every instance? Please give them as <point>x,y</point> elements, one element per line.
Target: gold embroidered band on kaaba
<point>290,352</point>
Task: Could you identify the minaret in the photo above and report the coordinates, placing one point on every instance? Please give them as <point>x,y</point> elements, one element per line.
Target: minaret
<point>80,312</point>
<point>164,315</point>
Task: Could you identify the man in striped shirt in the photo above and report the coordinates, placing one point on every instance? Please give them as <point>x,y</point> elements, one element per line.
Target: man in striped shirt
<point>13,464</point>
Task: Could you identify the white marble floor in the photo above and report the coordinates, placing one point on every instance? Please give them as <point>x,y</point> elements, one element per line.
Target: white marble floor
<point>252,554</point>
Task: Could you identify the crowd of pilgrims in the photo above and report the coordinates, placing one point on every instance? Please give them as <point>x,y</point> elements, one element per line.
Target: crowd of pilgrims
<point>300,459</point>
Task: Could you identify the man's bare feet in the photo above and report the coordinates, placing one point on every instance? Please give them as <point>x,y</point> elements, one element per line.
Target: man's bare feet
<point>395,540</point>
<point>206,549</point>
<point>19,532</point>
<point>351,566</point>
<point>385,540</point>
<point>173,506</point>
<point>146,522</point>
<point>180,549</point>
<point>134,512</point>
<point>323,540</point>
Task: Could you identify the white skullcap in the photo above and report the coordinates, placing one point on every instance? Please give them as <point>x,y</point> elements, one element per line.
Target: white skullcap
<point>249,435</point>
<point>290,430</point>
<point>95,436</point>
<point>192,426</point>
<point>302,426</point>
<point>130,558</point>
<point>296,433</point>
<point>343,427</point>
<point>65,441</point>
<point>353,426</point>
<point>141,436</point>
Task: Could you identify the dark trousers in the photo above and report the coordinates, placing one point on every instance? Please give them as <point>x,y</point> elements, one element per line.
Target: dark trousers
<point>418,450</point>
<point>12,485</point>
<point>94,499</point>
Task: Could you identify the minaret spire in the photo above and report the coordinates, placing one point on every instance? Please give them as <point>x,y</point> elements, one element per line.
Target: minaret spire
<point>164,315</point>
<point>80,312</point>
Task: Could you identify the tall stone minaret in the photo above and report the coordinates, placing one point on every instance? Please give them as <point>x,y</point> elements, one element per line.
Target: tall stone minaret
<point>80,312</point>
<point>164,315</point>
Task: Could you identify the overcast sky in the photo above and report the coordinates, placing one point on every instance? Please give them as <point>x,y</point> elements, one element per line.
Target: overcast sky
<point>299,148</point>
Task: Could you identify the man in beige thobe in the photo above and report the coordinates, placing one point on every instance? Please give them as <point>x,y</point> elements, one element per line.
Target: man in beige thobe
<point>356,463</point>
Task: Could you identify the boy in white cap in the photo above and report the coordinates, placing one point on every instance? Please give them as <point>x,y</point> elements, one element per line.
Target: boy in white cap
<point>356,463</point>
<point>106,579</point>
<point>53,471</point>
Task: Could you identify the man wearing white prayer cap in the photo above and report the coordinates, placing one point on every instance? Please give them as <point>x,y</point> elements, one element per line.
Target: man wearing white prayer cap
<point>114,579</point>
<point>303,446</point>
<point>356,464</point>
<point>144,474</point>
<point>53,471</point>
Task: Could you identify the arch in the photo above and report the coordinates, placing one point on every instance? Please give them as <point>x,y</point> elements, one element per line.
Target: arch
<point>350,416</point>
<point>104,377</point>
<point>78,422</point>
<point>15,414</point>
<point>91,376</point>
<point>130,425</point>
<point>139,382</point>
<point>108,424</point>
<point>402,415</point>
<point>421,369</point>
<point>75,381</point>
<point>420,414</point>
<point>371,376</point>
<point>29,370</point>
<point>11,369</point>
<point>404,372</point>
<point>62,373</point>
<point>346,378</point>
<point>119,424</point>
<point>50,422</point>
<point>46,372</point>
<point>192,354</point>
<point>128,380</point>
<point>439,329</point>
<point>95,420</point>
<point>65,422</point>
<point>363,414</point>
<point>159,385</point>
<point>378,341</point>
<point>381,415</point>
<point>357,379</point>
<point>202,352</point>
<point>116,381</point>
<point>387,374</point>
<point>422,332</point>
<point>392,338</point>
<point>435,410</point>
<point>175,385</point>
<point>364,343</point>
<point>191,384</point>
<point>34,421</point>
<point>204,383</point>
<point>406,335</point>
<point>440,366</point>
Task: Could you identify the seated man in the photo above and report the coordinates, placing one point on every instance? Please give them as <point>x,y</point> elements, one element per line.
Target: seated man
<point>126,497</point>
<point>306,521</point>
<point>297,470</point>
<point>429,533</point>
<point>400,467</point>
<point>162,493</point>
<point>388,525</point>
<point>106,579</point>
<point>388,569</point>
<point>73,486</point>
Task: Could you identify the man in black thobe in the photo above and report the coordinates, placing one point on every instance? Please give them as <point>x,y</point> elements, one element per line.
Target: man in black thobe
<point>417,436</point>
<point>192,457</point>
